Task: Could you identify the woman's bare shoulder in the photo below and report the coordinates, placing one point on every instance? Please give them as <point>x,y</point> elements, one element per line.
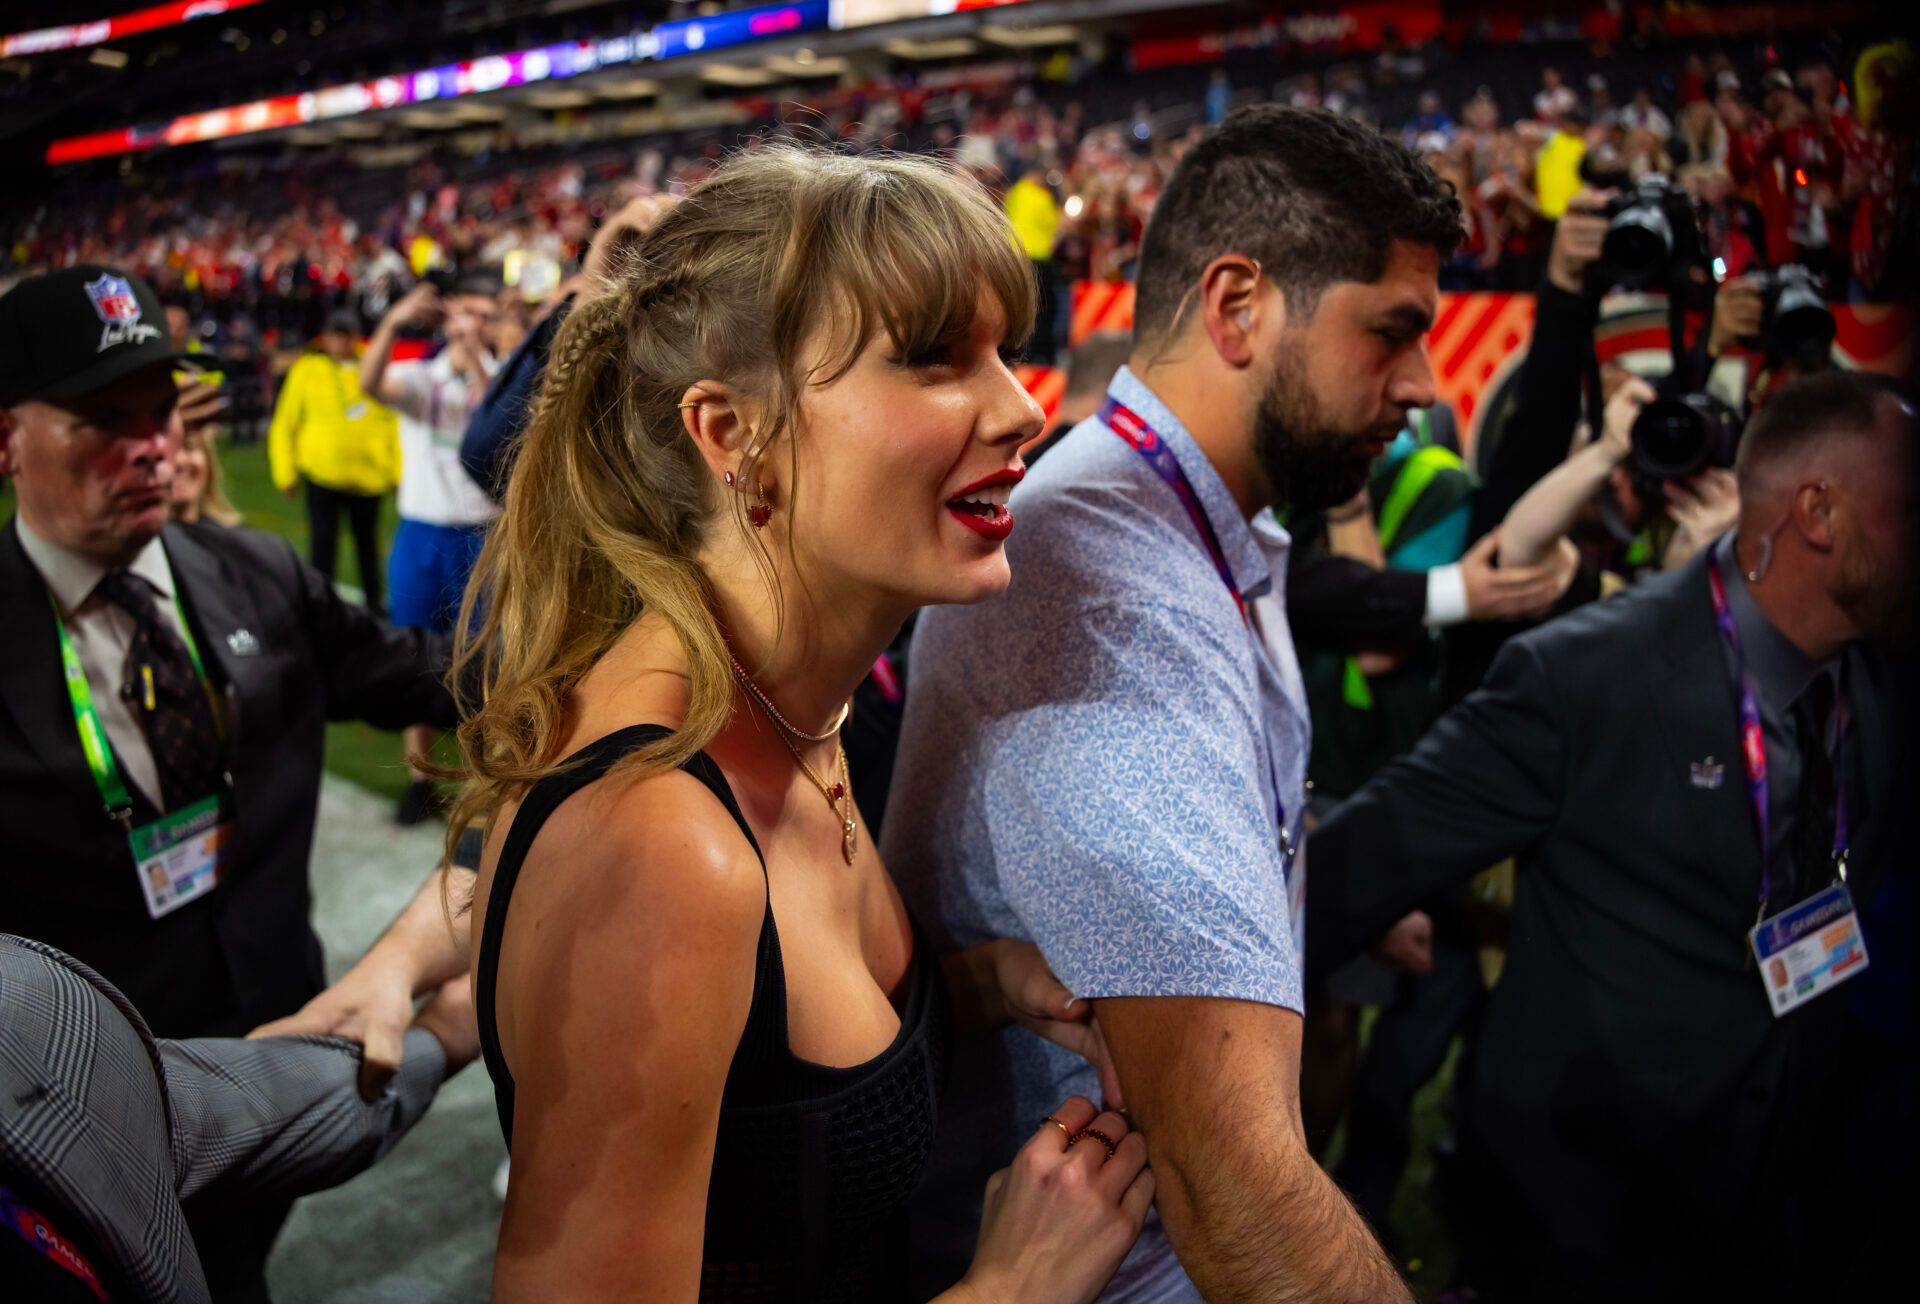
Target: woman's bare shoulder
<point>633,886</point>
<point>654,851</point>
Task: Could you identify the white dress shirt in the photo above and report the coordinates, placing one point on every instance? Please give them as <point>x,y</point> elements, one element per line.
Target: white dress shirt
<point>102,636</point>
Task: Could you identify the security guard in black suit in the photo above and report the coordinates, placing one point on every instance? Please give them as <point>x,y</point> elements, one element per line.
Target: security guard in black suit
<point>1661,1107</point>
<point>164,688</point>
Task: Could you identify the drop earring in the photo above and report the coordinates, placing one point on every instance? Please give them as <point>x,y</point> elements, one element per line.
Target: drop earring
<point>760,511</point>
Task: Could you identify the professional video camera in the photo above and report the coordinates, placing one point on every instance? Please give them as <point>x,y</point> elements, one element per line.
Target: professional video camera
<point>1651,230</point>
<point>1795,323</point>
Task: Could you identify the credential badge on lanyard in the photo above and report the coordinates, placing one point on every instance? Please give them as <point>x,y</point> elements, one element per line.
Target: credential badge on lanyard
<point>1814,944</point>
<point>176,858</point>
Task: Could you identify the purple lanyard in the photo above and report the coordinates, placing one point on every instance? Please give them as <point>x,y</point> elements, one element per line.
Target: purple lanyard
<point>1753,744</point>
<point>1133,428</point>
<point>1146,441</point>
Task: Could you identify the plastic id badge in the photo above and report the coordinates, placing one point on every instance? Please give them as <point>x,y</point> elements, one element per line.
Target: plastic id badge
<point>178,855</point>
<point>1807,948</point>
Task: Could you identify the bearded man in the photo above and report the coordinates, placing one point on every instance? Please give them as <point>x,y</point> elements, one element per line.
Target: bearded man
<point>1109,760</point>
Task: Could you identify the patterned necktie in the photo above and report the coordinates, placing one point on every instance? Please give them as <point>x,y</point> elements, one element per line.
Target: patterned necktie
<point>167,696</point>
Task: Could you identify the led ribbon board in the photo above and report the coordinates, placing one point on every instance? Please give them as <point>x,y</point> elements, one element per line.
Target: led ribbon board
<point>76,36</point>
<point>473,77</point>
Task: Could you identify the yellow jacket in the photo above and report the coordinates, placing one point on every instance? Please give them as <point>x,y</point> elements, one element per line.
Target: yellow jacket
<point>1035,218</point>
<point>325,430</point>
<point>1556,173</point>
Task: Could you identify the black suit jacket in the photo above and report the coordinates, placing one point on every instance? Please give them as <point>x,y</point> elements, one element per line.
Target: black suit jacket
<point>244,953</point>
<point>1637,1101</point>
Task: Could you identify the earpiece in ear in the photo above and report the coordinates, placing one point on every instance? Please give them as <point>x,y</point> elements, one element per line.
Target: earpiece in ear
<point>1245,318</point>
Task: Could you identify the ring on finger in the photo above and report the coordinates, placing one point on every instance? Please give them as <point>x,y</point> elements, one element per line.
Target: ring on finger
<point>1097,1135</point>
<point>1065,1131</point>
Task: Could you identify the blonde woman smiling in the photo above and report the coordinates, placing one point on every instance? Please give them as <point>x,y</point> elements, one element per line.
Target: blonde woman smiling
<point>716,1034</point>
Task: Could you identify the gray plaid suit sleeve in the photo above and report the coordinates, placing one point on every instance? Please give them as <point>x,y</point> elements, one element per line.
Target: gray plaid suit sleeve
<point>83,1119</point>
<point>114,1129</point>
<point>282,1116</point>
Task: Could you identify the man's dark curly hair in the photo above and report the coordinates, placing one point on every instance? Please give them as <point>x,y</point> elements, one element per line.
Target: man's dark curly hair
<point>1317,198</point>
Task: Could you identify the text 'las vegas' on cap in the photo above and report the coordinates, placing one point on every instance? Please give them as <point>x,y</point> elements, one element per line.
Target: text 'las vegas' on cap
<point>78,330</point>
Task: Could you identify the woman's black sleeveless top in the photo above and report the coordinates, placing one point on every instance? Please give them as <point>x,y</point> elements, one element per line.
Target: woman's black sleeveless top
<point>812,1165</point>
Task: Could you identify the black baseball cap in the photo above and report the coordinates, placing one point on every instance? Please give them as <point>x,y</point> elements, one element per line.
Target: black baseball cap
<point>78,330</point>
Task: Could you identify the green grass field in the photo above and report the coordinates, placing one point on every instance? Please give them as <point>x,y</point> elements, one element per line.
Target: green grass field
<point>370,757</point>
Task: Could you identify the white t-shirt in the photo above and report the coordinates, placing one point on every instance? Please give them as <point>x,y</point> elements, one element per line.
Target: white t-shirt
<point>434,402</point>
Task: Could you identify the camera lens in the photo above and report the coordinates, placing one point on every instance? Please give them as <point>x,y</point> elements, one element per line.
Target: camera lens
<point>1638,244</point>
<point>1675,437</point>
<point>1669,440</point>
<point>1803,326</point>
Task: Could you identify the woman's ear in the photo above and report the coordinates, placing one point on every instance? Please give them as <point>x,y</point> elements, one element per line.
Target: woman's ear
<point>717,421</point>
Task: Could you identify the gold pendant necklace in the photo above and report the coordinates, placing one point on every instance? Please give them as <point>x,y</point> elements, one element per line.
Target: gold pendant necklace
<point>839,796</point>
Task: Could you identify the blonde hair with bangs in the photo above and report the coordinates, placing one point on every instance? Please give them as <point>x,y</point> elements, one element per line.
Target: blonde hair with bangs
<point>783,248</point>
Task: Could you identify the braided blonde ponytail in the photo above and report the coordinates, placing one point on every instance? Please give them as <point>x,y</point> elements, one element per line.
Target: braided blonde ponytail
<point>609,501</point>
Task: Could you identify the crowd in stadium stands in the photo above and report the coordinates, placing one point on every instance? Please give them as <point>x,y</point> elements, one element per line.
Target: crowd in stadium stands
<point>1792,162</point>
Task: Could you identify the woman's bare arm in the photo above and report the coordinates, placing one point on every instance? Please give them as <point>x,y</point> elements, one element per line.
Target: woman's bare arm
<point>626,975</point>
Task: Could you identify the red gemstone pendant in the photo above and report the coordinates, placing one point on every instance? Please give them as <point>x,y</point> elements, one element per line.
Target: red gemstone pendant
<point>839,791</point>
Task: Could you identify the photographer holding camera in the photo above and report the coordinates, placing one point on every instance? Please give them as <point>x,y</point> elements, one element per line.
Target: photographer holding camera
<point>1659,485</point>
<point>1668,489</point>
<point>1530,439</point>
<point>1668,1100</point>
<point>1533,436</point>
<point>1700,507</point>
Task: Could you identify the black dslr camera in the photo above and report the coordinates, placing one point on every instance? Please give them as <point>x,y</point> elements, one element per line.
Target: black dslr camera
<point>1651,229</point>
<point>1795,322</point>
<point>1678,436</point>
<point>1653,242</point>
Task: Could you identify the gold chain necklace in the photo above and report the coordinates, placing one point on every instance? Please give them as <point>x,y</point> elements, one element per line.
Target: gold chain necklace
<point>839,796</point>
<point>773,713</point>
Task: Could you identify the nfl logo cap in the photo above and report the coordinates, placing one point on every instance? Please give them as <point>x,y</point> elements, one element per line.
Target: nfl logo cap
<point>78,330</point>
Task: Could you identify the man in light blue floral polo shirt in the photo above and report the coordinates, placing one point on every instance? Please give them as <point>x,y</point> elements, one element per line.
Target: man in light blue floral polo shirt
<point>1108,759</point>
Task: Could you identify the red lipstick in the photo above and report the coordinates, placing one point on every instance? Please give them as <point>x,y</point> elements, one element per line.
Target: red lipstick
<point>1008,475</point>
<point>981,506</point>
